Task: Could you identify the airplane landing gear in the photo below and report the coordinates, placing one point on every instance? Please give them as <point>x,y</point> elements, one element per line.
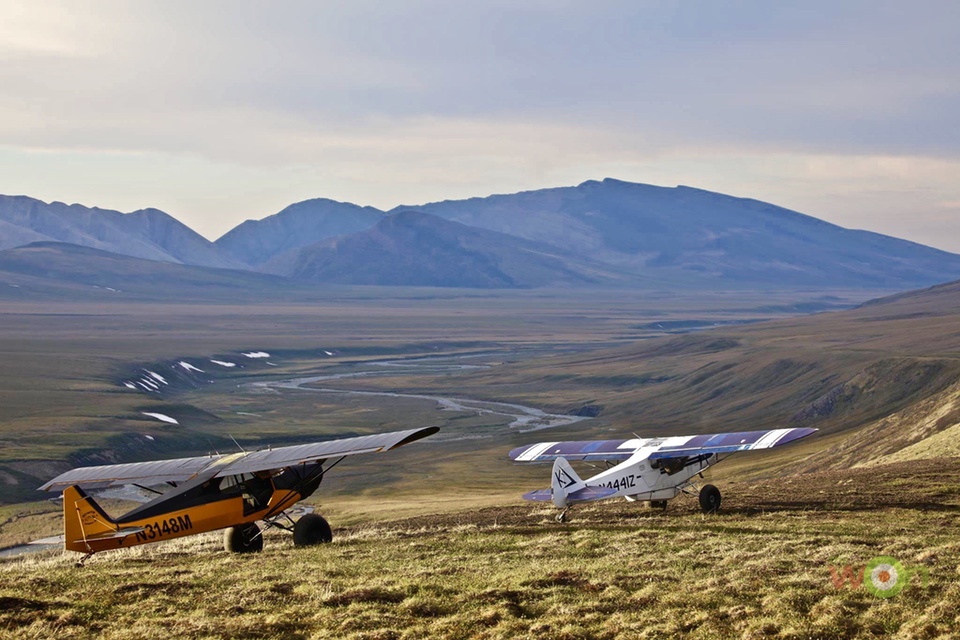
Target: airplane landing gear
<point>562,517</point>
<point>311,529</point>
<point>709,498</point>
<point>244,538</point>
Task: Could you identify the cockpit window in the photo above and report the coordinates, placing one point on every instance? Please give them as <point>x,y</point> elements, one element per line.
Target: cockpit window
<point>256,491</point>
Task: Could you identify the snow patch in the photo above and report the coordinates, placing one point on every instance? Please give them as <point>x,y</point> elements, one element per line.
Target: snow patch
<point>149,437</point>
<point>329,353</point>
<point>160,416</point>
<point>189,367</point>
<point>224,364</point>
<point>130,385</point>
<point>256,354</point>
<point>156,376</point>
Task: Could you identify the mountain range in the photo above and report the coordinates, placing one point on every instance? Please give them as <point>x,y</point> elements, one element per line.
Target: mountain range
<point>600,233</point>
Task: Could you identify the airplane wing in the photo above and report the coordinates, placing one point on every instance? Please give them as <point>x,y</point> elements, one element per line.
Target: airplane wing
<point>269,459</point>
<point>666,447</point>
<point>577,450</point>
<point>145,473</point>
<point>183,469</point>
<point>728,442</point>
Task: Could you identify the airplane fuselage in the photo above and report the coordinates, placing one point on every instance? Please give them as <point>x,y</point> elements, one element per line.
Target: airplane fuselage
<point>640,478</point>
<point>205,504</point>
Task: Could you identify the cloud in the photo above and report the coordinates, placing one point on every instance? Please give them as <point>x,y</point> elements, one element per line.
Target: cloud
<point>394,101</point>
<point>875,76</point>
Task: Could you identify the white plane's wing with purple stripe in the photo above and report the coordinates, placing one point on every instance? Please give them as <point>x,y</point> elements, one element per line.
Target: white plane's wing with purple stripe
<point>730,442</point>
<point>577,450</point>
<point>667,447</point>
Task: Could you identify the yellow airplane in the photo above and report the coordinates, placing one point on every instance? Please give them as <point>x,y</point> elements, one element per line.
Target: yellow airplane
<point>207,493</point>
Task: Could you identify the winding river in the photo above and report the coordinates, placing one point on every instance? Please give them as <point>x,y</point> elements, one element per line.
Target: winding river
<point>524,418</point>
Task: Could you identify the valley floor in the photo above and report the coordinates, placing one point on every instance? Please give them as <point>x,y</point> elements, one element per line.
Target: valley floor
<point>778,561</point>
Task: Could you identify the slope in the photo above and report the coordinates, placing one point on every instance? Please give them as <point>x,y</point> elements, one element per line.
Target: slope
<point>416,249</point>
<point>875,380</point>
<point>149,233</point>
<point>255,242</point>
<point>718,238</point>
<point>59,271</point>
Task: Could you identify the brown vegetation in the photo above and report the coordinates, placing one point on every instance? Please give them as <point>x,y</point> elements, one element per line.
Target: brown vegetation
<point>761,568</point>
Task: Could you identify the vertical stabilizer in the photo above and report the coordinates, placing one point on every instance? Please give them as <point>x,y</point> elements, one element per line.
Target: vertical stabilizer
<point>82,518</point>
<point>565,482</point>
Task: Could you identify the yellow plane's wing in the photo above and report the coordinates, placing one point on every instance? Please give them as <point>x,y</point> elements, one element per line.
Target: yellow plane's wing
<point>145,473</point>
<point>183,469</point>
<point>269,459</point>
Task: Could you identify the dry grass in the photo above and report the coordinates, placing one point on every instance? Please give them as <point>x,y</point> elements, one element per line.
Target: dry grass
<point>761,569</point>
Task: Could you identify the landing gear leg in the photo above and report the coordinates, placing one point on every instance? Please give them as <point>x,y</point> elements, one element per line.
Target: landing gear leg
<point>562,517</point>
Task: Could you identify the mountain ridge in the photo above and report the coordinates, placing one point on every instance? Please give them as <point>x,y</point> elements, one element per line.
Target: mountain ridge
<point>635,235</point>
<point>418,249</point>
<point>256,242</point>
<point>146,233</point>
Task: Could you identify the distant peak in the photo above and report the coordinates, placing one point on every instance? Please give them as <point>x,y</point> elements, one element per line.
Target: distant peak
<point>152,212</point>
<point>616,184</point>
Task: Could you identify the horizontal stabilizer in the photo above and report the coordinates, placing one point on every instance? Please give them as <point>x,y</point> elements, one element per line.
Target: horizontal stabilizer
<point>110,535</point>
<point>587,494</point>
<point>540,495</point>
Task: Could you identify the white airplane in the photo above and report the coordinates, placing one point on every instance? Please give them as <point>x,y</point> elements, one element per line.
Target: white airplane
<point>654,469</point>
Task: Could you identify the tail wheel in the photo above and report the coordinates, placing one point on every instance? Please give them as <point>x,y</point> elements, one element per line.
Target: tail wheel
<point>244,538</point>
<point>311,529</point>
<point>709,498</point>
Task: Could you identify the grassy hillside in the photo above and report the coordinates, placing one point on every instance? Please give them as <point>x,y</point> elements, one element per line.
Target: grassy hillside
<point>889,369</point>
<point>761,568</point>
<point>433,540</point>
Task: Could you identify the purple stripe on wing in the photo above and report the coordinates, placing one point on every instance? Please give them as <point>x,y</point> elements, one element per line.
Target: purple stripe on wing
<point>729,443</point>
<point>577,450</point>
<point>795,434</point>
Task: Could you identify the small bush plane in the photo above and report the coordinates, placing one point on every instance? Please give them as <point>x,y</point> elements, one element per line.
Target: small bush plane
<point>649,469</point>
<point>206,493</point>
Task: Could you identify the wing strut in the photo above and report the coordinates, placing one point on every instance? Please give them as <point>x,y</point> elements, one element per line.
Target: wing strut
<point>140,486</point>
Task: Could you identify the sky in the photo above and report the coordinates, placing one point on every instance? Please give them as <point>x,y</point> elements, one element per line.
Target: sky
<point>223,111</point>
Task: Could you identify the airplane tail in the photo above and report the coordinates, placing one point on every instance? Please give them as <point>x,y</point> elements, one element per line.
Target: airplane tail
<point>565,481</point>
<point>83,518</point>
<point>566,487</point>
